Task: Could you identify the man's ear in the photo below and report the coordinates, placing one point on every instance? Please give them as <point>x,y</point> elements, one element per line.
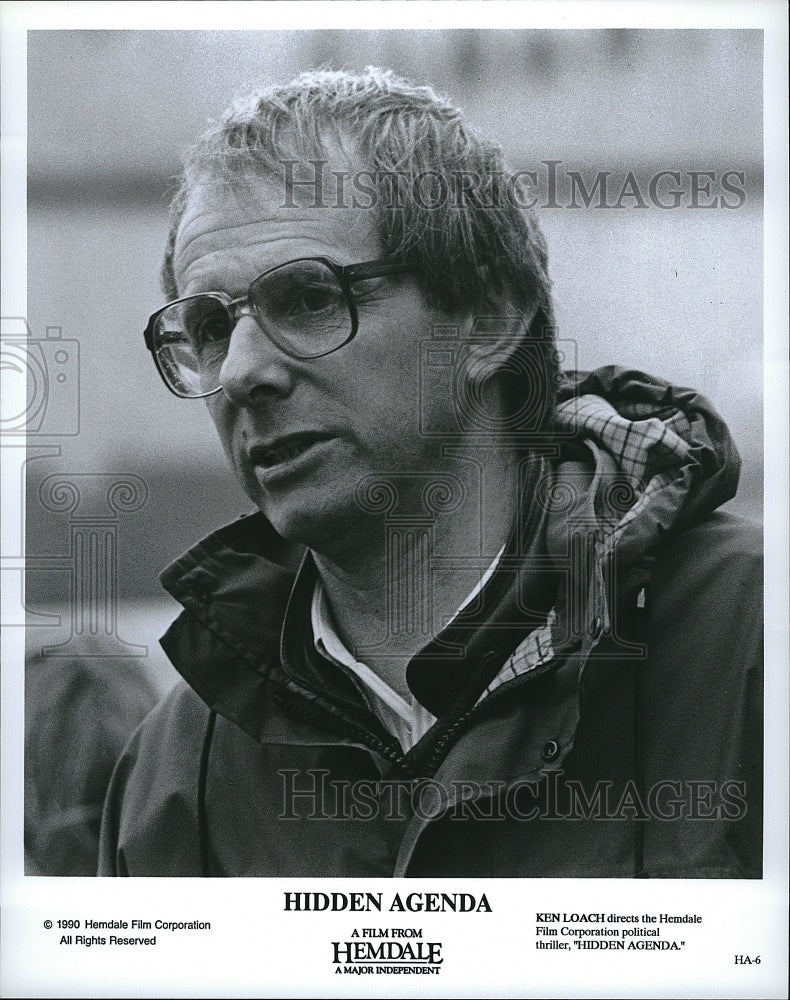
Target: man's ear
<point>505,373</point>
<point>494,332</point>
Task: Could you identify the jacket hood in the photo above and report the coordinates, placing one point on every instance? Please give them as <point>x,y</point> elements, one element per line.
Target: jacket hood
<point>641,458</point>
<point>637,459</point>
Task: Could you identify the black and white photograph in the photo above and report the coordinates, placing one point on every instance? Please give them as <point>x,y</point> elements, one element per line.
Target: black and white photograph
<point>440,556</point>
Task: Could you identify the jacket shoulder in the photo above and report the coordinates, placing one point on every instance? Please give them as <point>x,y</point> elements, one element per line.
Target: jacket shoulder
<point>150,822</point>
<point>703,697</point>
<point>719,544</point>
<point>178,722</point>
<point>707,594</point>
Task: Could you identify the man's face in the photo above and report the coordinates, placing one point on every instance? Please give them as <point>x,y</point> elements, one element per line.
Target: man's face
<point>301,434</point>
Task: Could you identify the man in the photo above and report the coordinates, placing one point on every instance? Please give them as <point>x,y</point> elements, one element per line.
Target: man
<point>485,621</point>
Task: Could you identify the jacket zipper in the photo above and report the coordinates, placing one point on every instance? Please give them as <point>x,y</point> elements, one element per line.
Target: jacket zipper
<point>389,751</point>
<point>392,751</point>
<point>453,731</point>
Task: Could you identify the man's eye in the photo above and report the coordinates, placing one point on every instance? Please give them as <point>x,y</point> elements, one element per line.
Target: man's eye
<point>207,325</point>
<point>313,300</point>
<point>309,300</point>
<point>301,301</point>
<point>211,330</point>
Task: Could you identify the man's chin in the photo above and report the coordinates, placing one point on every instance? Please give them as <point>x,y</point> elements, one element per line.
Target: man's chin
<point>323,529</point>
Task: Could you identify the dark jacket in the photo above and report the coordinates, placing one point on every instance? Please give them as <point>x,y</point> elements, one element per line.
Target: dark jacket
<point>599,706</point>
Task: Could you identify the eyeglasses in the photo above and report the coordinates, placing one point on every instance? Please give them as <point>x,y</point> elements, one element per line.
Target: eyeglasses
<point>305,307</point>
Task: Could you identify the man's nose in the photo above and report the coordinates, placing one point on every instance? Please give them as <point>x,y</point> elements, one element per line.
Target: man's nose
<point>254,367</point>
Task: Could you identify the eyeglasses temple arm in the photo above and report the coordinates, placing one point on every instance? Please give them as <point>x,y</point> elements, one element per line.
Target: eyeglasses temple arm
<point>376,269</point>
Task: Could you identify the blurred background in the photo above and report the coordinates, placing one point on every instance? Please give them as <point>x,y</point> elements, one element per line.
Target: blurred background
<point>677,293</point>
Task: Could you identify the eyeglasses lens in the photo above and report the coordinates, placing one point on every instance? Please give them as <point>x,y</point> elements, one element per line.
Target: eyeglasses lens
<point>300,306</point>
<point>191,338</point>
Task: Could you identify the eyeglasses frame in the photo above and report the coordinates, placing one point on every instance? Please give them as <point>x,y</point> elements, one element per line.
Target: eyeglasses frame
<point>347,275</point>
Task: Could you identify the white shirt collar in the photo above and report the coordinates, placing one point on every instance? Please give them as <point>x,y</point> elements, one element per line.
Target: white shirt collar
<point>408,721</point>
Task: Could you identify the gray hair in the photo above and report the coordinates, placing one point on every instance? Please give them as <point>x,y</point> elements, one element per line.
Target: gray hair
<point>480,248</point>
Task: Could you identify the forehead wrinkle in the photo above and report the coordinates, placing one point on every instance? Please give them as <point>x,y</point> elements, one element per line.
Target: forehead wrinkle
<point>202,206</point>
<point>228,198</point>
<point>205,259</point>
<point>357,226</point>
<point>182,247</point>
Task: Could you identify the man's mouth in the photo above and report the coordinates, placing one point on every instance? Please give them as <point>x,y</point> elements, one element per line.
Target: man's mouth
<point>284,450</point>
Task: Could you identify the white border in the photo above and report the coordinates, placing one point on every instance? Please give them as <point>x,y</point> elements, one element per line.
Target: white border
<point>254,949</point>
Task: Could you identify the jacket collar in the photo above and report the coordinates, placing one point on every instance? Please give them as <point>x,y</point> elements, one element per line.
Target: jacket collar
<point>247,593</point>
<point>452,670</point>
